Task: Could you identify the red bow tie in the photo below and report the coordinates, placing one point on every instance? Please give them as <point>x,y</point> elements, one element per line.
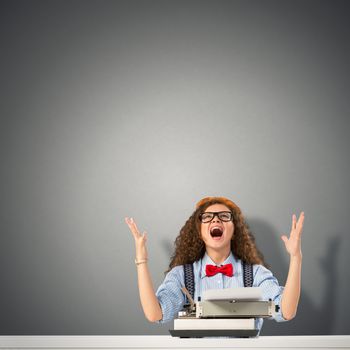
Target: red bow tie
<point>212,270</point>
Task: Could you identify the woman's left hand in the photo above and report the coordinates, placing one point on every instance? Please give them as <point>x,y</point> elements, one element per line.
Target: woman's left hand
<point>293,243</point>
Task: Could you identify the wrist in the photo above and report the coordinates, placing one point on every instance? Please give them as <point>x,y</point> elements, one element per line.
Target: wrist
<point>141,261</point>
<point>296,257</point>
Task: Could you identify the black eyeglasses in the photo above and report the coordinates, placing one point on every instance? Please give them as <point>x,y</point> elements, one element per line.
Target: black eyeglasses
<point>209,216</point>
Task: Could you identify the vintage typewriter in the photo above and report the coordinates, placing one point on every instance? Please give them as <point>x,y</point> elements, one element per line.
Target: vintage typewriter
<point>223,313</point>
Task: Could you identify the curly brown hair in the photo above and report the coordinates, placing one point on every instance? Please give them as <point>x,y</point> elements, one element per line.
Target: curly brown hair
<point>189,246</point>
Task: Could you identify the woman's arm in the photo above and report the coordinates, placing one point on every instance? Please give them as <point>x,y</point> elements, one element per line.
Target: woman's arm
<point>149,301</point>
<point>291,293</point>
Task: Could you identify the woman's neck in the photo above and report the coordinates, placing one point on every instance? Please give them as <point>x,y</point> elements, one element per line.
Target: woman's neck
<point>218,257</point>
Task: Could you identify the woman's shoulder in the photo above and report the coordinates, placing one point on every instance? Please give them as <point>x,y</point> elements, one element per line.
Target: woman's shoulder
<point>176,271</point>
<point>175,274</point>
<point>177,268</point>
<point>261,272</point>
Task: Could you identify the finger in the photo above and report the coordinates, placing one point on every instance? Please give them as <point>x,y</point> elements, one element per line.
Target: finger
<point>301,219</point>
<point>144,236</point>
<point>284,239</point>
<point>293,228</point>
<point>300,224</point>
<point>135,227</point>
<point>132,226</point>
<point>294,220</point>
<point>129,221</point>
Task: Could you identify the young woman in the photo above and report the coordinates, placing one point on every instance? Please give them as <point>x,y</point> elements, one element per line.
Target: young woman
<point>216,239</point>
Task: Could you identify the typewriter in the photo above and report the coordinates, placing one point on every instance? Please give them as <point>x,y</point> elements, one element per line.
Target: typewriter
<point>223,313</point>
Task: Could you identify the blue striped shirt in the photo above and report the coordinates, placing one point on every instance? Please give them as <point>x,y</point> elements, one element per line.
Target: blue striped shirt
<point>172,299</point>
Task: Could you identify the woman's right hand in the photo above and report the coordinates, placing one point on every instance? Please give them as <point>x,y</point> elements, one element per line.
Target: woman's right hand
<point>140,240</point>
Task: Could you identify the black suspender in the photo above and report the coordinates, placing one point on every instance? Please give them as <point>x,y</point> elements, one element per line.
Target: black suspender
<point>247,274</point>
<point>189,277</point>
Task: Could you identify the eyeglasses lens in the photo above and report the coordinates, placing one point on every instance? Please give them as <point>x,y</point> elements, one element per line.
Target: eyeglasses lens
<point>222,215</point>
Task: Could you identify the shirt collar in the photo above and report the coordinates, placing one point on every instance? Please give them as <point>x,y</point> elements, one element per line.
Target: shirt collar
<point>207,260</point>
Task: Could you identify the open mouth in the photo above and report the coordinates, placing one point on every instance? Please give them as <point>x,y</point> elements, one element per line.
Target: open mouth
<point>216,232</point>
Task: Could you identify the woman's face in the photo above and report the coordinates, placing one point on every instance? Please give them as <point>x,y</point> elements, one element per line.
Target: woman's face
<point>217,233</point>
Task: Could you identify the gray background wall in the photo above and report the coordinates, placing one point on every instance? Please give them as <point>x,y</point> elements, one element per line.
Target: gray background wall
<point>133,108</point>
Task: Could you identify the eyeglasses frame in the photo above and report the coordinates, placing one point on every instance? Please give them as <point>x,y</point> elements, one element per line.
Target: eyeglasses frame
<point>215,214</point>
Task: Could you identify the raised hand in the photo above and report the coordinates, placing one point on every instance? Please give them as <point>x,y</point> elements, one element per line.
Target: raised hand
<point>148,298</point>
<point>293,243</point>
<point>140,240</point>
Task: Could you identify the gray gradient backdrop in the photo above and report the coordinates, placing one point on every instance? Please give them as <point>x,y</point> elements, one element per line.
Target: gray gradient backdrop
<point>116,108</point>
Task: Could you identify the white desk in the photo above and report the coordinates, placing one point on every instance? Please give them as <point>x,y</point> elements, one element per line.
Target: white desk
<point>168,342</point>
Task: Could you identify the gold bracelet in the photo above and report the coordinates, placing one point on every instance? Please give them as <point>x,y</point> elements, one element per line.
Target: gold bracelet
<point>139,262</point>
